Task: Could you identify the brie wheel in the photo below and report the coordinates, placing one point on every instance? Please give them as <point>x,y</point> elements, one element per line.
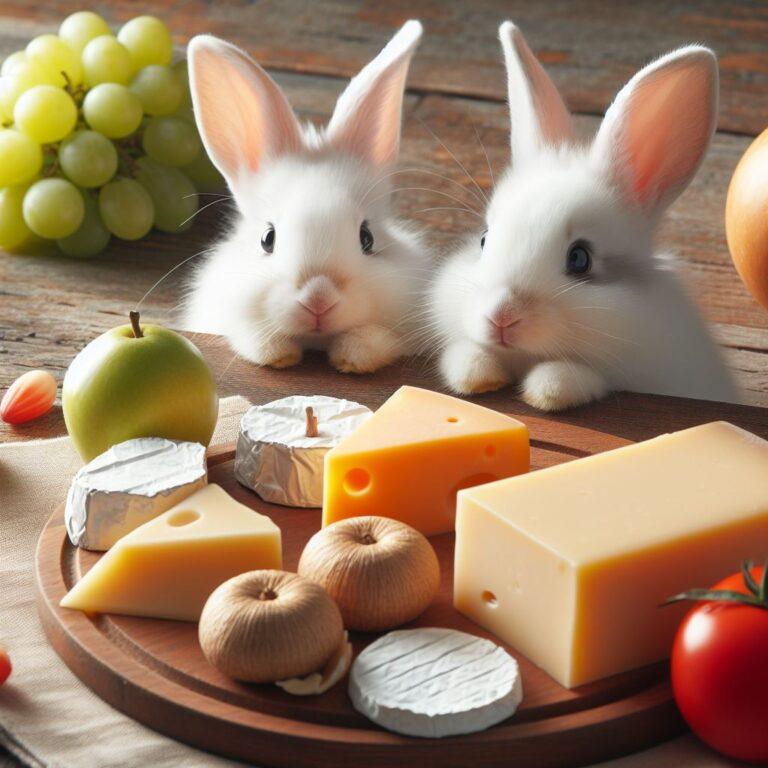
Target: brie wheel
<point>128,485</point>
<point>435,682</point>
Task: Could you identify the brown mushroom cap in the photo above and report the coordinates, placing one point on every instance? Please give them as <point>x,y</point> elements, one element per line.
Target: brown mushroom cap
<point>264,626</point>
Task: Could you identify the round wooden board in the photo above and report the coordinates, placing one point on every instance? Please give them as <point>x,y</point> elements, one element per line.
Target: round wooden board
<point>154,671</point>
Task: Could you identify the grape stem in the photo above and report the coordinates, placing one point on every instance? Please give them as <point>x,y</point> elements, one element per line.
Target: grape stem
<point>134,317</point>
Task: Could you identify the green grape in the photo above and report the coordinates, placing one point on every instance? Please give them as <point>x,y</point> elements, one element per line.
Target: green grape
<point>181,70</point>
<point>171,141</point>
<point>113,110</point>
<point>53,208</point>
<point>173,194</point>
<point>91,237</point>
<point>6,101</point>
<point>158,89</point>
<point>20,158</point>
<point>80,28</point>
<point>45,113</point>
<point>105,60</point>
<point>12,61</point>
<point>53,52</point>
<point>148,40</point>
<point>204,174</point>
<point>13,229</point>
<point>126,209</point>
<point>88,158</point>
<point>185,112</point>
<point>26,74</point>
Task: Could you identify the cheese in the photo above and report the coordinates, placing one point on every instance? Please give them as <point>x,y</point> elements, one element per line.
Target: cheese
<point>128,485</point>
<point>411,457</point>
<point>169,566</point>
<point>435,682</point>
<point>276,457</point>
<point>570,564</point>
<point>320,682</point>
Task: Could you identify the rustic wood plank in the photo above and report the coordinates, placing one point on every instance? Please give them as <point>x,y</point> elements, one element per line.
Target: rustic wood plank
<point>590,47</point>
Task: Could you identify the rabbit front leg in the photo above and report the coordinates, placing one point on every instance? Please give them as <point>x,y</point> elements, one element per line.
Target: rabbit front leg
<point>280,352</point>
<point>469,368</point>
<point>364,349</point>
<point>560,384</point>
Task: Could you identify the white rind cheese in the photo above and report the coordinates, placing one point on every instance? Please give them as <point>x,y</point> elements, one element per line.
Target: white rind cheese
<point>275,457</point>
<point>435,682</point>
<point>128,485</point>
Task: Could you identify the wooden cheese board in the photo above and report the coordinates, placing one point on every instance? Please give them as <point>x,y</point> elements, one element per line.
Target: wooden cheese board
<point>154,671</point>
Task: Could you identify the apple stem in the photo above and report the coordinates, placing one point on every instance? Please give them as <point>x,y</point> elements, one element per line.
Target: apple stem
<point>134,316</point>
<point>311,423</point>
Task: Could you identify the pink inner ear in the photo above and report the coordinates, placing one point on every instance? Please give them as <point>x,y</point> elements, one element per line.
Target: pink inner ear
<point>667,130</point>
<point>243,115</point>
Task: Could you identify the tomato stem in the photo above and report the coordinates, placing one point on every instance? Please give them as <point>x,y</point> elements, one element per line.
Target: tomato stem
<point>756,595</point>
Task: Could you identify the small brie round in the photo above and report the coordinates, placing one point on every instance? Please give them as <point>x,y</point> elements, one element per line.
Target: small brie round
<point>275,456</point>
<point>435,682</point>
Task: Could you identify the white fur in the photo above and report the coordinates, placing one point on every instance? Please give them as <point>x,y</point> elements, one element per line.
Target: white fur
<point>315,187</point>
<point>628,324</point>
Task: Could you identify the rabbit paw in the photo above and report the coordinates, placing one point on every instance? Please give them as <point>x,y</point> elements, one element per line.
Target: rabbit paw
<point>279,353</point>
<point>364,349</point>
<point>558,385</point>
<point>469,369</point>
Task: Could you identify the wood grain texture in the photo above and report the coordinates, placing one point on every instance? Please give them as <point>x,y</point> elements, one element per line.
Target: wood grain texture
<point>591,47</point>
<point>155,671</point>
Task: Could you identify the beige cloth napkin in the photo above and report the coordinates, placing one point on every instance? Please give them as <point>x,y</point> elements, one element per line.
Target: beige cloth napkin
<point>47,716</point>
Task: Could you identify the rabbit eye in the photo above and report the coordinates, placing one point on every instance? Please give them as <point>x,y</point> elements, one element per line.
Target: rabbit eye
<point>366,238</point>
<point>579,259</point>
<point>268,239</point>
<point>482,240</point>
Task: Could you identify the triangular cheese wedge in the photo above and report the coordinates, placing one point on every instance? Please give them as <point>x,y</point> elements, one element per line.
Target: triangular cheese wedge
<point>413,455</point>
<point>169,566</point>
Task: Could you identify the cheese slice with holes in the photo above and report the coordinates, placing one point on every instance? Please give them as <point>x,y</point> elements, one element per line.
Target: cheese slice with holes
<point>128,485</point>
<point>435,682</point>
<point>569,565</point>
<point>410,458</point>
<point>169,566</point>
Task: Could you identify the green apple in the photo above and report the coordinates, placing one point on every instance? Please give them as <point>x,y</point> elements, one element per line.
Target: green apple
<point>138,381</point>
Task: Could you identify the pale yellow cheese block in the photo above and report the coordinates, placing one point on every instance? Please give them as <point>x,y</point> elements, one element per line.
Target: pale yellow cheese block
<point>410,458</point>
<point>570,564</point>
<point>169,566</point>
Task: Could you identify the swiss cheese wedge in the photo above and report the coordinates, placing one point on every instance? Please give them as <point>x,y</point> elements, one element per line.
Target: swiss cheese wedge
<point>410,458</point>
<point>169,566</point>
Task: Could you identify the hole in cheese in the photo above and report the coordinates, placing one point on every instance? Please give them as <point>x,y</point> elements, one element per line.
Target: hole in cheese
<point>357,481</point>
<point>452,420</point>
<point>183,517</point>
<point>490,599</point>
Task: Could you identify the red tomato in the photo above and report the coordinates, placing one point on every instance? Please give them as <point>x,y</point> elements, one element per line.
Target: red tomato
<point>720,672</point>
<point>5,666</point>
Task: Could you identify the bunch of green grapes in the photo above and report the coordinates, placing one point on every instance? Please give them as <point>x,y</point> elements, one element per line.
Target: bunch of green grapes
<point>98,138</point>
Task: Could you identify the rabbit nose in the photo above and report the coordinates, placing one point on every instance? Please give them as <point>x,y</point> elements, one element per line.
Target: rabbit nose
<point>318,305</point>
<point>504,316</point>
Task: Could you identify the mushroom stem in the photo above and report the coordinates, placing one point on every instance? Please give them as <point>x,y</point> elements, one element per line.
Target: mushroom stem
<point>311,423</point>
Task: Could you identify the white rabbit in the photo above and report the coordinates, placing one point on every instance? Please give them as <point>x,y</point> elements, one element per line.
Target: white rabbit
<point>564,293</point>
<point>315,258</point>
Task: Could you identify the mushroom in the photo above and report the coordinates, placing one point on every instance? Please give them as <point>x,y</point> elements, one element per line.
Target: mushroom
<point>264,626</point>
<point>381,572</point>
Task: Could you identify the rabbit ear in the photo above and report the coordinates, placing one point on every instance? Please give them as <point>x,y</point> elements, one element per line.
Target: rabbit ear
<point>366,120</point>
<point>657,130</point>
<point>538,114</point>
<point>242,114</point>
